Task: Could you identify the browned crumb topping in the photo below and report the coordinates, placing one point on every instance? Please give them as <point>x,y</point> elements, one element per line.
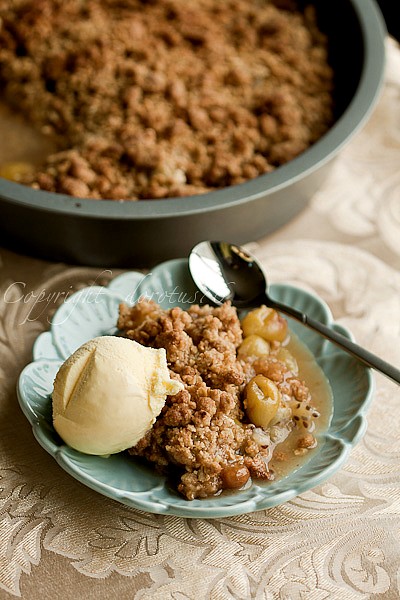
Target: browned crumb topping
<point>202,432</point>
<point>161,98</point>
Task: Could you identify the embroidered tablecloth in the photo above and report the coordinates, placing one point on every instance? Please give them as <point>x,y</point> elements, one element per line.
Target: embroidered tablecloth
<point>341,540</point>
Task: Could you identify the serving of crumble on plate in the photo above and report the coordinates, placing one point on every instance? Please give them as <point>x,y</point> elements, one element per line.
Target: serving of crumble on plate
<point>135,481</point>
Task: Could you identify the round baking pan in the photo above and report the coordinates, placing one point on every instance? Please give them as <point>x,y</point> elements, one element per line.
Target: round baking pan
<point>113,233</point>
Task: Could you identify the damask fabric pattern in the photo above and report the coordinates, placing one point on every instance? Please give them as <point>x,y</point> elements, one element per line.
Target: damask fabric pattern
<point>339,540</point>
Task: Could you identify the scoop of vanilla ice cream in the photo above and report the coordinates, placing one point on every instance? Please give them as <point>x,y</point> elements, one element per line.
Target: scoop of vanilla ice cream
<point>108,394</point>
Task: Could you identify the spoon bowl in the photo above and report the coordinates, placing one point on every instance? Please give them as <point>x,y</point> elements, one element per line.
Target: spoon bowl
<point>224,271</point>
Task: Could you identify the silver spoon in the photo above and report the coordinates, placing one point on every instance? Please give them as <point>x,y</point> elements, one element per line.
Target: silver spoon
<point>224,271</point>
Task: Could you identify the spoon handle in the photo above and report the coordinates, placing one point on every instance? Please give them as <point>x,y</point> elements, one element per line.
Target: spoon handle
<point>366,357</point>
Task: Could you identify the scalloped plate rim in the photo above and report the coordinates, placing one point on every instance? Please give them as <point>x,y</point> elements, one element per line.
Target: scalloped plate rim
<point>194,509</point>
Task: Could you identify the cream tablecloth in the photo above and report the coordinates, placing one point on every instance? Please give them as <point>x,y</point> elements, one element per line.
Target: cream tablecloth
<point>60,540</point>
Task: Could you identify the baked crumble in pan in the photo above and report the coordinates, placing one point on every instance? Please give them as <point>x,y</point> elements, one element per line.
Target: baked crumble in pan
<point>154,99</point>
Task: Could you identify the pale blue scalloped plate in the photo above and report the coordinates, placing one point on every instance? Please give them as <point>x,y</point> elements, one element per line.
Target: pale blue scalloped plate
<point>93,311</point>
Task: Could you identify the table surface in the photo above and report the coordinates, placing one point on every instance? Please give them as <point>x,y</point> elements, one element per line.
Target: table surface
<point>59,539</point>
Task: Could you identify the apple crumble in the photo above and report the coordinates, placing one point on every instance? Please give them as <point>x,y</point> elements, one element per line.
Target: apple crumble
<point>242,395</point>
<point>165,98</point>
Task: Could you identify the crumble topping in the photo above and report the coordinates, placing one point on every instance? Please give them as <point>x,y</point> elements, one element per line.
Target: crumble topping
<point>168,97</point>
<point>203,436</point>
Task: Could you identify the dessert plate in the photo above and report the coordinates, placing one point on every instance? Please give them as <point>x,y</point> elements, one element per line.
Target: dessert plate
<point>93,311</point>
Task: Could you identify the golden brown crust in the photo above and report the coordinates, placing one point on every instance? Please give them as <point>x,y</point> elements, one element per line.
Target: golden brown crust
<point>165,98</point>
<point>202,432</point>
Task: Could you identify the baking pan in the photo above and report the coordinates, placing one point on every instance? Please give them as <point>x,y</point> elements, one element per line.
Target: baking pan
<point>110,233</point>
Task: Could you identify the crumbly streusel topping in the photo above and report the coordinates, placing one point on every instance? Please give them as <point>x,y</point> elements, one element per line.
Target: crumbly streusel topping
<point>168,97</point>
<point>202,433</point>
